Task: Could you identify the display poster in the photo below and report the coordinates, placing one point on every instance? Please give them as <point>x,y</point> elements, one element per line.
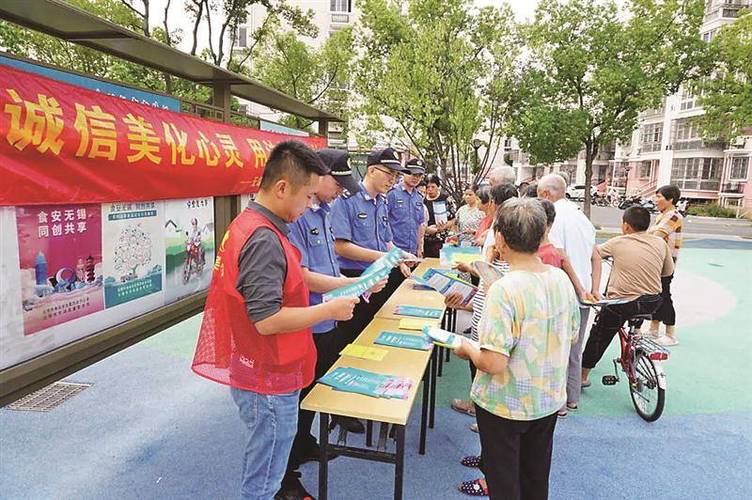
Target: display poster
<point>189,246</point>
<point>60,259</point>
<point>133,250</point>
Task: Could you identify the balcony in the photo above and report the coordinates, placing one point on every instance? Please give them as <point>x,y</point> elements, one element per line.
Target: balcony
<point>733,188</point>
<point>724,11</point>
<point>340,18</point>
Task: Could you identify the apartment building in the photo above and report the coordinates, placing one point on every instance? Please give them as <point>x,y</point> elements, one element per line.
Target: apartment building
<point>667,146</point>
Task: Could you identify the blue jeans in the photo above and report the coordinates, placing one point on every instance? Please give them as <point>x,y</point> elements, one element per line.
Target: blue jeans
<point>272,421</point>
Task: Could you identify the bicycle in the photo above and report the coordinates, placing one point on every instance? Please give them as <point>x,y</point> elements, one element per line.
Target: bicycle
<point>640,359</point>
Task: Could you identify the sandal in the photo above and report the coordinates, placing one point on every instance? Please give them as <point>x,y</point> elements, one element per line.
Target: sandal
<point>585,384</point>
<point>474,488</point>
<point>562,413</point>
<point>471,461</point>
<point>572,406</point>
<point>461,406</point>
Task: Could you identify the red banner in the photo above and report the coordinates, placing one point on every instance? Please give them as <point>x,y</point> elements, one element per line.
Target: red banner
<point>61,144</point>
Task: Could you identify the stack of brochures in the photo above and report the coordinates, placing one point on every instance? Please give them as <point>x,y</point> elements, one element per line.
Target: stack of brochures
<point>403,340</point>
<point>419,312</point>
<point>372,384</point>
<point>446,283</point>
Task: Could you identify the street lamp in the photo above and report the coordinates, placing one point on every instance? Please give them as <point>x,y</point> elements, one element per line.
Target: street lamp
<point>477,143</point>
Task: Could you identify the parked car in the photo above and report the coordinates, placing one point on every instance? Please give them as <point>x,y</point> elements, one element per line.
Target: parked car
<point>577,192</point>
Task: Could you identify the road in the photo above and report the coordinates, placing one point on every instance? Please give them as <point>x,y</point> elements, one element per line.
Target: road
<point>609,218</point>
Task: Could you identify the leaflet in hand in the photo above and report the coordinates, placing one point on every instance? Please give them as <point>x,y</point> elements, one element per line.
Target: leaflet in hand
<point>419,312</point>
<point>488,273</point>
<point>376,385</point>
<point>452,255</point>
<point>445,338</point>
<point>446,284</point>
<point>403,340</point>
<point>387,261</point>
<point>360,287</point>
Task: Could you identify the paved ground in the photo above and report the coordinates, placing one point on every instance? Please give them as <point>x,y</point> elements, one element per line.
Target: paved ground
<point>608,217</point>
<point>148,428</point>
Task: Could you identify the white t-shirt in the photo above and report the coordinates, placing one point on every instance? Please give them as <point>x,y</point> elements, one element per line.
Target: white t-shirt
<point>575,234</point>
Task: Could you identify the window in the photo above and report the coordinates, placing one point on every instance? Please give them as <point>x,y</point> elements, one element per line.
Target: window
<point>242,38</point>
<point>650,137</point>
<point>703,174</point>
<point>687,135</point>
<point>646,169</point>
<point>739,168</point>
<point>340,5</point>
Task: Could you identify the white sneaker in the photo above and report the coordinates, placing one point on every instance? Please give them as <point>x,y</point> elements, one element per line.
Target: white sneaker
<point>667,341</point>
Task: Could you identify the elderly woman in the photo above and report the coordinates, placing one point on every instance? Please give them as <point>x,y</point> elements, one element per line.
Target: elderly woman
<point>529,322</point>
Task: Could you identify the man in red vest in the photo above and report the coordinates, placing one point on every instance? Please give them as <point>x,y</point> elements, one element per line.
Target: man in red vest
<point>256,331</point>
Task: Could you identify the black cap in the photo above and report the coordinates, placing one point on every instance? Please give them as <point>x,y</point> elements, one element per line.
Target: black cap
<point>338,162</point>
<point>416,166</point>
<point>387,157</point>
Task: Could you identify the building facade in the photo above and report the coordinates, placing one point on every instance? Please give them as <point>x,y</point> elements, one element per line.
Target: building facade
<point>667,147</point>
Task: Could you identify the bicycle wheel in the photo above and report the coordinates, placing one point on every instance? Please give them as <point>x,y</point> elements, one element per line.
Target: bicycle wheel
<point>648,397</point>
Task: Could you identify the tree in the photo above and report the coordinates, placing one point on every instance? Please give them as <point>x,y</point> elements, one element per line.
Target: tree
<point>222,19</point>
<point>726,97</point>
<point>593,67</point>
<point>440,71</point>
<point>318,77</point>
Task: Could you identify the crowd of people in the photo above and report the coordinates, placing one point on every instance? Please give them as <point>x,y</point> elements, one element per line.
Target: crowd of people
<point>313,228</point>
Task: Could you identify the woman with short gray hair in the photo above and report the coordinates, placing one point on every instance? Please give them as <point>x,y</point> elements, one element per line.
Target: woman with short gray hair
<point>529,322</point>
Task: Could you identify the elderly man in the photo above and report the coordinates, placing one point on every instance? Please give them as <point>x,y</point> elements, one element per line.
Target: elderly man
<point>501,175</point>
<point>575,234</point>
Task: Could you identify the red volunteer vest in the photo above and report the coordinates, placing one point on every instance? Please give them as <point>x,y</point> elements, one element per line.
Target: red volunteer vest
<point>230,350</point>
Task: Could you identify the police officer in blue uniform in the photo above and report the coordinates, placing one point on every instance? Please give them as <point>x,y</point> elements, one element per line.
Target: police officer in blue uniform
<point>363,233</point>
<point>312,234</point>
<point>406,213</point>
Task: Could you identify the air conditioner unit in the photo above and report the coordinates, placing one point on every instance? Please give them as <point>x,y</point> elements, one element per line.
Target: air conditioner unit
<point>739,142</point>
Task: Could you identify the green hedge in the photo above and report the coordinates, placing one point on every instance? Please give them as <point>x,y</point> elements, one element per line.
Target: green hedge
<point>711,210</point>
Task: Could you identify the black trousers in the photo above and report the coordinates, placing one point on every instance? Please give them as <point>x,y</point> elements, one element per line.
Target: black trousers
<point>326,355</point>
<point>666,313</point>
<point>365,311</point>
<point>516,455</point>
<point>610,319</point>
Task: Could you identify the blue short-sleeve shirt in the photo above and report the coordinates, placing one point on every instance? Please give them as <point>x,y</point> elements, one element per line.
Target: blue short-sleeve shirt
<point>406,214</point>
<point>363,221</point>
<point>312,235</point>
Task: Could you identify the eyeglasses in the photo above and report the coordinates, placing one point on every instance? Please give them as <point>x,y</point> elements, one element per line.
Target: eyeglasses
<point>390,173</point>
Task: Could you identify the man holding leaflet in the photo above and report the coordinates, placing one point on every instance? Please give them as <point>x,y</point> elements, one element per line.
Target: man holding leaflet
<point>312,235</point>
<point>256,332</point>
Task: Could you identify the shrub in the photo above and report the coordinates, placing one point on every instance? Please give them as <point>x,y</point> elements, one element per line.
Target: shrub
<point>711,210</point>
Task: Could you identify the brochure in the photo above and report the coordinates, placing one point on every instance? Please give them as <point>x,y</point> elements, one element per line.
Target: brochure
<point>452,255</point>
<point>364,352</point>
<point>403,340</point>
<point>376,385</point>
<point>446,284</point>
<point>419,312</point>
<point>416,323</point>
<point>377,271</point>
<point>487,272</point>
<point>445,338</point>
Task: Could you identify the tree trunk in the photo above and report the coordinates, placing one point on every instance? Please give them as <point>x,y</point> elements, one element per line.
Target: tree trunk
<point>589,157</point>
